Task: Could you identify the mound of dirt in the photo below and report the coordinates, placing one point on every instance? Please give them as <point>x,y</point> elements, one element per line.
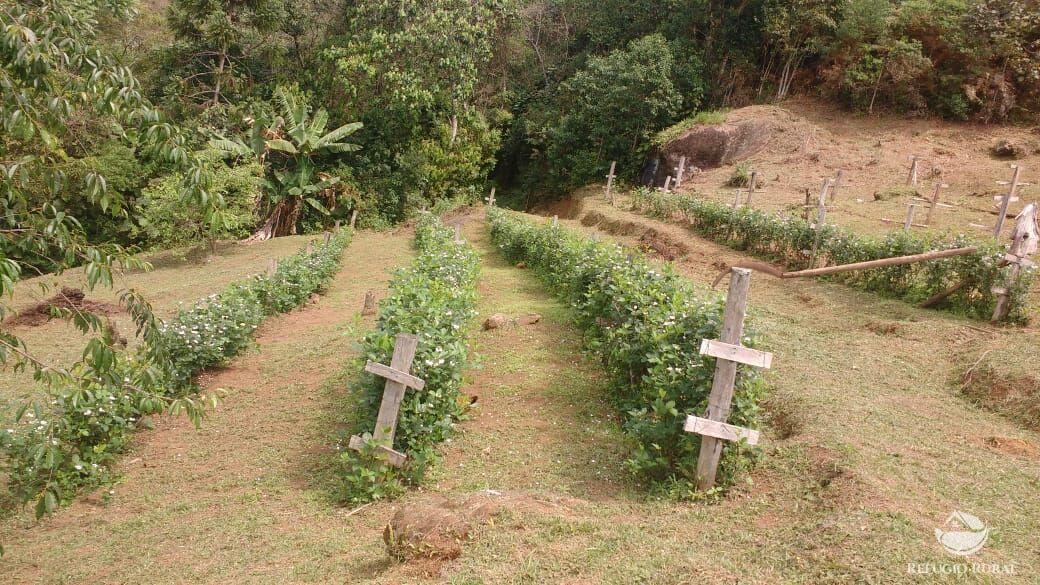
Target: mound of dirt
<point>650,239</point>
<point>437,528</point>
<point>709,146</point>
<point>68,298</point>
<point>1014,396</point>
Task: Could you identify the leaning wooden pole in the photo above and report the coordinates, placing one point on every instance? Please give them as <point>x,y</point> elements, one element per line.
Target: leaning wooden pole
<point>826,270</point>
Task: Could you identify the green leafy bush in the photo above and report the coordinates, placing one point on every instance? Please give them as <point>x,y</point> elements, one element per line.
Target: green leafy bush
<point>434,299</point>
<point>646,326</point>
<point>54,449</point>
<point>787,239</point>
<point>741,176</point>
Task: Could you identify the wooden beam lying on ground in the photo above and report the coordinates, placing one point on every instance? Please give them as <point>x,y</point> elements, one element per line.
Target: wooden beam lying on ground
<point>826,270</point>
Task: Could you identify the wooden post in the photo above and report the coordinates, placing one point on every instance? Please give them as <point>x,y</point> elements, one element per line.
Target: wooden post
<point>680,171</point>
<point>1006,201</point>
<point>397,380</point>
<point>911,178</point>
<point>370,304</point>
<point>909,217</point>
<point>310,247</point>
<point>935,202</point>
<point>736,198</point>
<point>808,205</point>
<point>328,237</point>
<point>272,267</point>
<point>1024,241</point>
<point>491,198</point>
<point>594,237</point>
<point>555,221</point>
<point>610,182</point>
<point>353,219</point>
<point>668,184</point>
<point>837,183</point>
<point>751,187</point>
<point>821,215</point>
<point>337,226</point>
<point>458,233</point>
<point>725,373</point>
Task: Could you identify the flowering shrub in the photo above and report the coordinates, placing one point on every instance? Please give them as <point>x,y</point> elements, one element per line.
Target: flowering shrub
<point>646,326</point>
<point>55,448</point>
<point>433,298</point>
<point>786,238</point>
<point>220,326</point>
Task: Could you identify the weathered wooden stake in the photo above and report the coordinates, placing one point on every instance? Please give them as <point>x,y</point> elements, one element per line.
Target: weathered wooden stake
<point>751,187</point>
<point>397,380</point>
<point>668,184</point>
<point>328,237</point>
<point>1024,241</point>
<point>736,198</point>
<point>555,221</point>
<point>458,233</point>
<point>310,247</point>
<point>1006,201</point>
<point>911,178</point>
<point>808,205</point>
<point>610,182</point>
<point>370,304</point>
<point>728,353</point>
<point>821,215</point>
<point>679,171</point>
<point>491,198</point>
<point>272,267</point>
<point>909,217</point>
<point>935,202</point>
<point>353,219</point>
<point>837,183</point>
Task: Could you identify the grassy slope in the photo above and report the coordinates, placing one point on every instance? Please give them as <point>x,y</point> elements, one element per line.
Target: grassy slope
<point>175,279</point>
<point>882,452</point>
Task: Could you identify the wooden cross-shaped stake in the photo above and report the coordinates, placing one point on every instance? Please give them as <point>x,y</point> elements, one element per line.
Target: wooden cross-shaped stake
<point>728,353</point>
<point>679,171</point>
<point>491,198</point>
<point>935,202</point>
<point>1024,240</point>
<point>397,380</point>
<point>610,182</point>
<point>911,179</point>
<point>1007,198</point>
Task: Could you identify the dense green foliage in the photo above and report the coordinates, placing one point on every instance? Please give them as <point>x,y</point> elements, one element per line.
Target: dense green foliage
<point>646,326</point>
<point>57,447</point>
<point>787,239</point>
<point>434,299</point>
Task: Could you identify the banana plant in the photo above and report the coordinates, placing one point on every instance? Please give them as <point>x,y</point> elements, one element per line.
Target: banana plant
<point>288,149</point>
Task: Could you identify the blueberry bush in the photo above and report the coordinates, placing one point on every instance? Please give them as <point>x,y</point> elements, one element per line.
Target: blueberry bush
<point>786,239</point>
<point>646,325</point>
<point>434,298</point>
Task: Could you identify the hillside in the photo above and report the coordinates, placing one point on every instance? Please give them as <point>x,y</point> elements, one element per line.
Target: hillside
<point>811,140</point>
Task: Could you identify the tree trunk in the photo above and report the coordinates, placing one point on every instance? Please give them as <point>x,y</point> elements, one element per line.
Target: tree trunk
<point>281,222</point>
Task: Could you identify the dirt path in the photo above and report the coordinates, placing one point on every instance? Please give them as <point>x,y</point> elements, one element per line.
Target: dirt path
<point>243,499</point>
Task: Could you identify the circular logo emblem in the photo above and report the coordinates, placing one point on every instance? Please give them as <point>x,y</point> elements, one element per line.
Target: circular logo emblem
<point>962,534</point>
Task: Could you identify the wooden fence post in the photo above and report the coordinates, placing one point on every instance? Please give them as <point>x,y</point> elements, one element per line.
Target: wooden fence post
<point>751,187</point>
<point>353,219</point>
<point>272,267</point>
<point>337,226</point>
<point>491,198</point>
<point>1006,201</point>
<point>680,171</point>
<point>668,184</point>
<point>397,380</point>
<point>555,221</point>
<point>610,182</point>
<point>728,352</point>
<point>458,233</point>
<point>935,202</point>
<point>821,215</point>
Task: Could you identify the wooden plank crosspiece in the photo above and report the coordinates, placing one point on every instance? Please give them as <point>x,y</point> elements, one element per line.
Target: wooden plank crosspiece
<point>397,381</point>
<point>728,353</point>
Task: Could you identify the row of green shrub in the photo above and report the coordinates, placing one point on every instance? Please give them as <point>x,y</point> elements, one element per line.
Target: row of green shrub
<point>56,448</point>
<point>789,239</point>
<point>646,325</point>
<point>434,298</point>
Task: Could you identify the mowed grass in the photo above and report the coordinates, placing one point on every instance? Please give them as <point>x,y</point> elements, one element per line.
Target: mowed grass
<point>177,277</point>
<point>877,450</point>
